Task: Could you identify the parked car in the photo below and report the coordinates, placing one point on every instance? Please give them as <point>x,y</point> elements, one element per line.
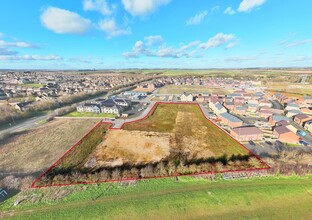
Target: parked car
<point>303,143</point>
<point>279,144</point>
<point>301,133</point>
<point>269,142</point>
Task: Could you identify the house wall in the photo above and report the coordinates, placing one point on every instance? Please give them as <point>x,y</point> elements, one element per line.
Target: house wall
<point>308,127</point>
<point>231,124</point>
<point>248,137</point>
<point>186,98</point>
<point>289,137</point>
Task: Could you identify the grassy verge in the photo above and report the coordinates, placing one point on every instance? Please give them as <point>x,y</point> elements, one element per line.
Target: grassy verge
<point>90,114</point>
<point>189,198</point>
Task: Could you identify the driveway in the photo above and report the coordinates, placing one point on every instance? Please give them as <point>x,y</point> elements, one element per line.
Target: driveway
<point>119,122</point>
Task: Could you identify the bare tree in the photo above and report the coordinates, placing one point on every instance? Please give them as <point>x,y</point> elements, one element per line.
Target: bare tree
<point>162,170</point>
<point>26,182</point>
<point>116,174</point>
<point>11,182</point>
<point>147,171</point>
<point>104,175</point>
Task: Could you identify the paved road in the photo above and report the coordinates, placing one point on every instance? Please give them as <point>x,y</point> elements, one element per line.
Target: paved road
<point>276,104</point>
<point>119,122</point>
<point>32,122</point>
<point>307,138</point>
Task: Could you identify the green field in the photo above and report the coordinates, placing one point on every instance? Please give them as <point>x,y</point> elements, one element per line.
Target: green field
<point>33,85</point>
<point>179,89</point>
<point>90,114</point>
<point>189,198</point>
<point>187,121</point>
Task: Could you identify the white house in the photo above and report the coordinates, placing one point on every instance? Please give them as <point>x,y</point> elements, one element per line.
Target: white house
<point>187,97</point>
<point>217,108</point>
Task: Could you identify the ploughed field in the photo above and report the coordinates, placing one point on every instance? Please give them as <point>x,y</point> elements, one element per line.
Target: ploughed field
<point>175,139</point>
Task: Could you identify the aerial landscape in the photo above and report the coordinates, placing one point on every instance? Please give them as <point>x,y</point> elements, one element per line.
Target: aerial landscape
<point>155,109</point>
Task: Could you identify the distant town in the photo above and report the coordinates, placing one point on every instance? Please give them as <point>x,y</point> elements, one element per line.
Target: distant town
<point>244,108</point>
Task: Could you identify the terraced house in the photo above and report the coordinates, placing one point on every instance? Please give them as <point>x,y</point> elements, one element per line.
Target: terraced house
<point>111,106</point>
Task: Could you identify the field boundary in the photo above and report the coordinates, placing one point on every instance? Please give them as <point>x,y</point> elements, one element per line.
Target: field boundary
<point>111,127</point>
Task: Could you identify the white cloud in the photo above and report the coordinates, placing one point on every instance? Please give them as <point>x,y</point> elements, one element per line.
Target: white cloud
<point>30,57</point>
<point>215,8</point>
<point>241,59</point>
<point>159,48</point>
<point>229,11</point>
<point>231,45</point>
<point>197,19</point>
<point>217,40</point>
<point>153,40</point>
<point>7,52</point>
<point>64,22</point>
<point>297,43</point>
<point>97,5</point>
<point>249,5</point>
<point>191,49</point>
<point>111,29</point>
<point>142,7</point>
<point>1,35</point>
<point>19,44</point>
<point>190,45</point>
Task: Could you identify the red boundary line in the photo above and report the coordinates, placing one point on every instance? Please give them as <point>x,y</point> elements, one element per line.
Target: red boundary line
<point>156,177</point>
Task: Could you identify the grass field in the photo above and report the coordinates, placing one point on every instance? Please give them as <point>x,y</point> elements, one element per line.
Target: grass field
<point>175,139</point>
<point>90,114</point>
<point>178,89</point>
<point>77,156</point>
<point>33,150</point>
<point>192,131</point>
<point>289,89</point>
<point>189,198</point>
<point>34,85</point>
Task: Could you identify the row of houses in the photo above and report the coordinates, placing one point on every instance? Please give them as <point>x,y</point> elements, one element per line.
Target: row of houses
<point>111,106</point>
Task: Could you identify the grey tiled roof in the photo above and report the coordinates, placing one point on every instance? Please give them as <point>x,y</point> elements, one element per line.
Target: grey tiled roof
<point>230,117</point>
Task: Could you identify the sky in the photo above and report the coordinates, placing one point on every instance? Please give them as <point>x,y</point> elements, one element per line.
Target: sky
<point>118,34</point>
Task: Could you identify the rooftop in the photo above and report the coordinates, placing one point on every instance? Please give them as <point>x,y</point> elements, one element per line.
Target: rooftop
<point>230,117</point>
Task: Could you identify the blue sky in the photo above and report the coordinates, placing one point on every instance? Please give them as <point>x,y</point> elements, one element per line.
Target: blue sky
<point>105,34</point>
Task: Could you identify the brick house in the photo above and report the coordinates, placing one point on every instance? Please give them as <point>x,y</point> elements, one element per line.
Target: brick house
<point>230,120</point>
<point>247,133</point>
<point>285,135</point>
<point>276,118</point>
<point>301,119</point>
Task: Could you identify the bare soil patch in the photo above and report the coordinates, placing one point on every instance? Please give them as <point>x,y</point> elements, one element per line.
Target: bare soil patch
<point>131,147</point>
